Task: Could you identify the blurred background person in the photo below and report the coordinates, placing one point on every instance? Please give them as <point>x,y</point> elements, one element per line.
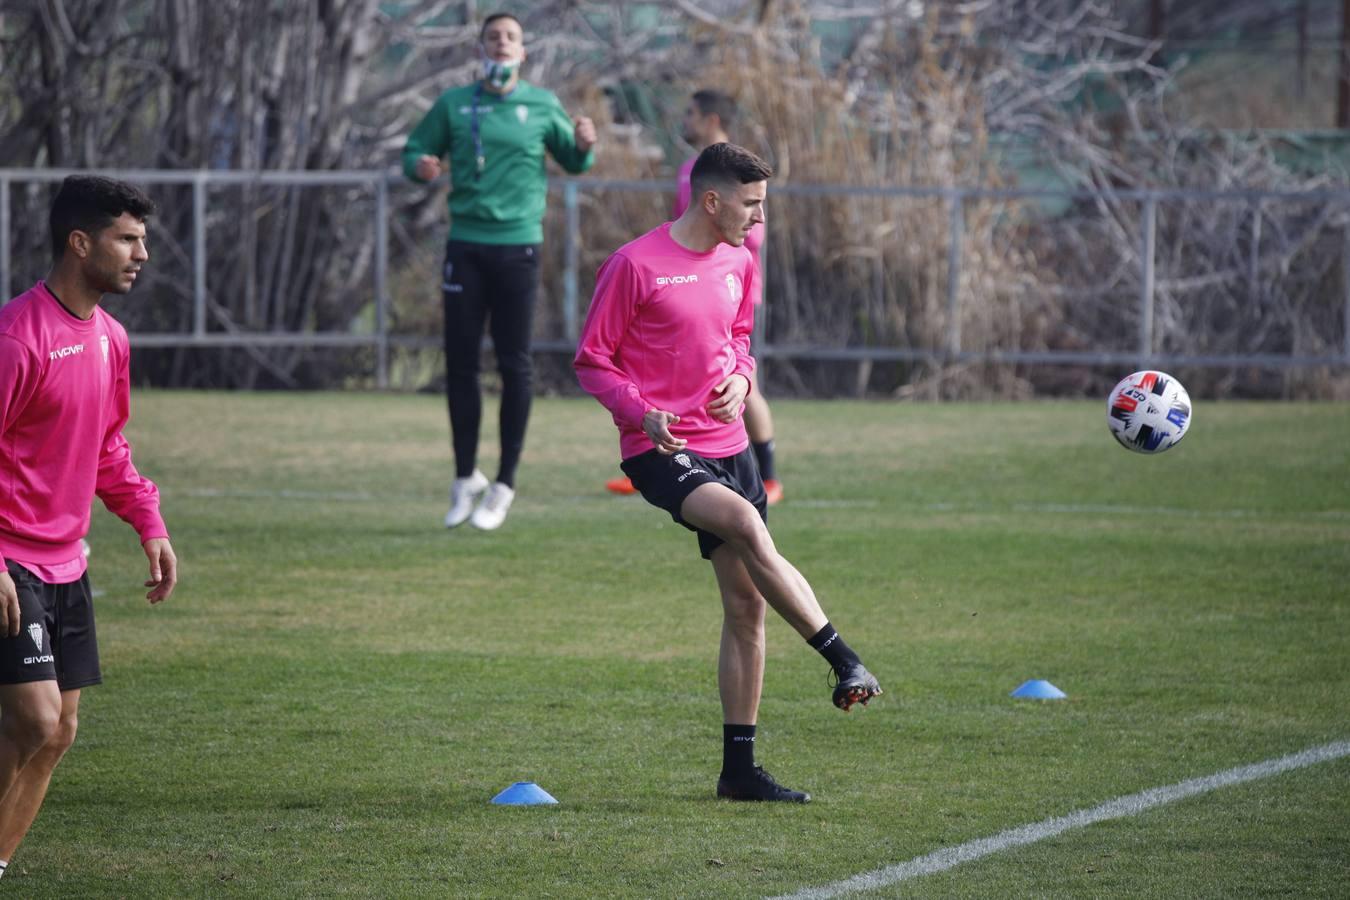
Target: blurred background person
<point>494,133</point>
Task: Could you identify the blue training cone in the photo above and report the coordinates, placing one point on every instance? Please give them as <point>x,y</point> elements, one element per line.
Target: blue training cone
<point>524,793</point>
<point>1037,689</point>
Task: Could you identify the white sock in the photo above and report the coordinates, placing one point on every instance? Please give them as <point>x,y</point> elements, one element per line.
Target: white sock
<point>4,863</point>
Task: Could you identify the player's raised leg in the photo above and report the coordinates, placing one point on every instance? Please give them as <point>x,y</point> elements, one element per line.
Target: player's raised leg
<point>740,678</point>
<point>718,509</point>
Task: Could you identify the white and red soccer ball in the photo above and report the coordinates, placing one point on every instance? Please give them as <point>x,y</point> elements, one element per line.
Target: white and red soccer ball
<point>1149,412</point>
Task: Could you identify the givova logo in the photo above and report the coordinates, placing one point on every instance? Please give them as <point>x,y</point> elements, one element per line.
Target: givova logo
<point>663,280</point>
<point>66,351</point>
<point>684,460</point>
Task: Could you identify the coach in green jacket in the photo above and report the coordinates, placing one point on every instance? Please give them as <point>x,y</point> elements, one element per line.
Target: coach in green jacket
<point>495,132</point>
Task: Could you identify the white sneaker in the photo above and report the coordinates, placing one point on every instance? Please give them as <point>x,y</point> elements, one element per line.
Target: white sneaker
<point>464,493</point>
<point>492,511</point>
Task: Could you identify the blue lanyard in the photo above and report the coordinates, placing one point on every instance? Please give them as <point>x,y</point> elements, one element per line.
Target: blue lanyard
<point>473,128</point>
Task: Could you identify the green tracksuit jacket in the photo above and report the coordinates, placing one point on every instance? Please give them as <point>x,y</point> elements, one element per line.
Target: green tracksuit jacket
<point>504,202</point>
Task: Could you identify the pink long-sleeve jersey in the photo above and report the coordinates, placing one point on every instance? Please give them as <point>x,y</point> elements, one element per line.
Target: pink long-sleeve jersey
<point>665,327</point>
<point>64,399</point>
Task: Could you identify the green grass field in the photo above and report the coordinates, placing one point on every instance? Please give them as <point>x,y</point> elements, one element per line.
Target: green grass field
<point>340,685</point>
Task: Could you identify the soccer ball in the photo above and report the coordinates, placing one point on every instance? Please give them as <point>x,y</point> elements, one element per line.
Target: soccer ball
<point>1149,412</point>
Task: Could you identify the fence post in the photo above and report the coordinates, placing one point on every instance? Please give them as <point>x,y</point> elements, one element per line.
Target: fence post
<point>956,232</point>
<point>1345,288</point>
<point>1147,253</point>
<point>4,240</point>
<point>1254,264</point>
<point>199,254</point>
<point>570,260</point>
<point>381,282</point>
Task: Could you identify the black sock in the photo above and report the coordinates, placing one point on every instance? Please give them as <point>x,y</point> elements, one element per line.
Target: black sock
<point>830,645</point>
<point>764,456</point>
<point>738,750</point>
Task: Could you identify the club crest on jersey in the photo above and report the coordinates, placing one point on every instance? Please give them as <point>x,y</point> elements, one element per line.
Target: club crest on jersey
<point>734,288</point>
<point>35,632</point>
<point>103,342</point>
<point>522,113</point>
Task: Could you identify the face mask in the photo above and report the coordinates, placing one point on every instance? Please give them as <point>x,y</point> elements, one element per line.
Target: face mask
<point>499,74</point>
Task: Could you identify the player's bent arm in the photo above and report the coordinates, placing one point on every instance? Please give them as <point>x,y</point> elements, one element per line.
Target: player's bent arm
<point>431,138</point>
<point>656,423</point>
<point>607,322</point>
<point>732,392</point>
<point>561,140</point>
<point>428,168</point>
<point>584,133</point>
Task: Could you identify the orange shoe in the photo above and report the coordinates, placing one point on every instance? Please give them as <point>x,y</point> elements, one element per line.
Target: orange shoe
<point>622,485</point>
<point>773,490</point>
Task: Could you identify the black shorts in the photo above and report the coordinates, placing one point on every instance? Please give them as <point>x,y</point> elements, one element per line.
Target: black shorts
<point>665,481</point>
<point>56,637</point>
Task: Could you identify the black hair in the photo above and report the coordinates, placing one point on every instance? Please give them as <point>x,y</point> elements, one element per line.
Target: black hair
<point>496,16</point>
<point>90,203</point>
<point>726,164</point>
<point>709,101</point>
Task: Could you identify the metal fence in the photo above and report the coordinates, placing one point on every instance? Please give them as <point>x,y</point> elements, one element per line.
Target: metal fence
<point>1141,255</point>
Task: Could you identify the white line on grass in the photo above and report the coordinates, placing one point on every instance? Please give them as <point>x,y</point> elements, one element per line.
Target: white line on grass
<point>1131,805</point>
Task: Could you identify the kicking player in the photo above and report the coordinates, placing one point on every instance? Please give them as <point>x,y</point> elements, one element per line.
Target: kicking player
<point>707,120</point>
<point>666,349</point>
<point>64,399</point>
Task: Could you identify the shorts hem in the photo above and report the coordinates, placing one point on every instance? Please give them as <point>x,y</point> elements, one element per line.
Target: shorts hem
<point>28,679</point>
<point>76,683</point>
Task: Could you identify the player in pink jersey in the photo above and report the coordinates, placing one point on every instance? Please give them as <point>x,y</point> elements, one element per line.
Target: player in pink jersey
<point>64,399</point>
<point>666,349</point>
<point>707,119</point>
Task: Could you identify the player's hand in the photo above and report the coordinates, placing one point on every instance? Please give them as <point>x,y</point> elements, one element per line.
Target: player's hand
<point>163,569</point>
<point>583,132</point>
<point>657,424</point>
<point>9,605</point>
<point>428,168</point>
<point>731,398</point>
